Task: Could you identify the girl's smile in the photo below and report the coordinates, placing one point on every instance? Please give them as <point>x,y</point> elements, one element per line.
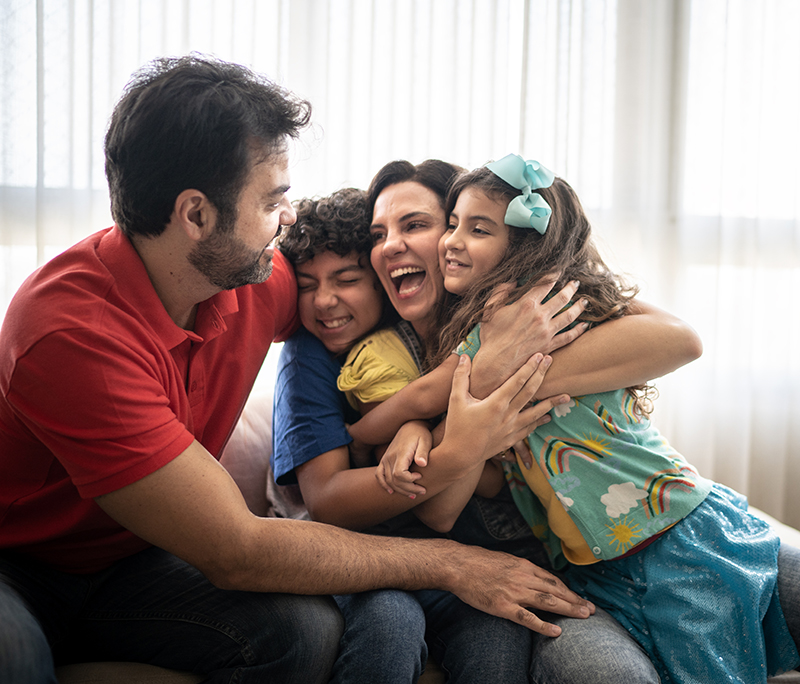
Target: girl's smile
<point>475,241</point>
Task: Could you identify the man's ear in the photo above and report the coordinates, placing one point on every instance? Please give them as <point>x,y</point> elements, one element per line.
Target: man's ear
<point>195,214</point>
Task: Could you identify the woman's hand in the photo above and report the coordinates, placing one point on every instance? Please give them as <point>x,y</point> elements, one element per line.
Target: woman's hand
<point>520,450</point>
<point>411,445</point>
<point>488,426</point>
<point>515,332</point>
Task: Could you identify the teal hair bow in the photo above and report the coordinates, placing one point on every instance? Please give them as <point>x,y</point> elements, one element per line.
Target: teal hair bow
<point>529,210</point>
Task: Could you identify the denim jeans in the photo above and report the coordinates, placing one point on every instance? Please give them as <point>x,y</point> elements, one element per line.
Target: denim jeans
<point>597,650</point>
<point>383,640</point>
<point>154,608</point>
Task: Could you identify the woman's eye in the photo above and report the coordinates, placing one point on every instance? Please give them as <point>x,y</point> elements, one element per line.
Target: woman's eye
<point>377,237</point>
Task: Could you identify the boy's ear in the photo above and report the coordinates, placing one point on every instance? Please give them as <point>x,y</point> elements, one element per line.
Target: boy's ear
<point>195,214</point>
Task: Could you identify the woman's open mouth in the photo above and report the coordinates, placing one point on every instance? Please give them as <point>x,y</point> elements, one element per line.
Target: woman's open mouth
<point>407,279</point>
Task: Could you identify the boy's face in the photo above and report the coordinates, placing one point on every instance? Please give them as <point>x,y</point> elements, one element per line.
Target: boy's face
<point>340,299</point>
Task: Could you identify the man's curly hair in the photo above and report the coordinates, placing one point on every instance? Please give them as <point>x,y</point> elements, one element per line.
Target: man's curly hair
<point>338,223</point>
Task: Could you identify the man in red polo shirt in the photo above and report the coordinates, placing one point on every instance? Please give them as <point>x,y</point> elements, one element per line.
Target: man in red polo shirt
<point>124,365</point>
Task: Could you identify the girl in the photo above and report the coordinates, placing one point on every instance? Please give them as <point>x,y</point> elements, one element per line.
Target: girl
<point>673,556</point>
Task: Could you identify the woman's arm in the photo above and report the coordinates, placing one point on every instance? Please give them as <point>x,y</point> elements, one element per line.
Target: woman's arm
<point>441,511</point>
<point>641,346</point>
<point>646,344</point>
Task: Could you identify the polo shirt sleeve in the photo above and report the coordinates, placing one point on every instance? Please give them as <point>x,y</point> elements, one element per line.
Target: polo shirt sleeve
<point>283,304</point>
<point>100,407</point>
<point>309,416</point>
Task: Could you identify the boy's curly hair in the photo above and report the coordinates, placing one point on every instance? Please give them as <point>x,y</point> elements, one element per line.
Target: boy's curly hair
<point>338,223</point>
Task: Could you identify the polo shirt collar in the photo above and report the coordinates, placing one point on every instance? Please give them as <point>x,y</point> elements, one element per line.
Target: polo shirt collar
<point>133,284</point>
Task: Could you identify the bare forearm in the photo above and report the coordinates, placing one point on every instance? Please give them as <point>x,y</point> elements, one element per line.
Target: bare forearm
<point>624,352</point>
<point>307,558</point>
<point>641,346</point>
<point>441,511</point>
<point>302,557</point>
<point>354,499</point>
<point>424,398</point>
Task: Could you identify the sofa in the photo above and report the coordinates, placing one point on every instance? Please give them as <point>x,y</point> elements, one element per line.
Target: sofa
<point>247,460</point>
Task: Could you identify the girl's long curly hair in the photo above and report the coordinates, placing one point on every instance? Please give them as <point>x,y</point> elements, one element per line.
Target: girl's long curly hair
<point>564,253</point>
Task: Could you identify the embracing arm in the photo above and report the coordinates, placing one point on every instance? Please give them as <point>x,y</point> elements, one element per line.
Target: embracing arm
<point>424,398</point>
<point>193,509</point>
<point>643,345</point>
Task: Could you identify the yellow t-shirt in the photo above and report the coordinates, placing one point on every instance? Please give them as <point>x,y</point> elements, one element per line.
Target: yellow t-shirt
<point>376,368</point>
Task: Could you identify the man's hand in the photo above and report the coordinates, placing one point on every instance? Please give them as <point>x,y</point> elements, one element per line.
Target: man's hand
<point>510,587</point>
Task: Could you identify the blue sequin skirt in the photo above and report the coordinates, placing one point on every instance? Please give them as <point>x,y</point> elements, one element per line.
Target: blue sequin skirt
<point>703,599</point>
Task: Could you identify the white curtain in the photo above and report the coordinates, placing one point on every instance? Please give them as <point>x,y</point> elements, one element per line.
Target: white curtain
<point>675,120</point>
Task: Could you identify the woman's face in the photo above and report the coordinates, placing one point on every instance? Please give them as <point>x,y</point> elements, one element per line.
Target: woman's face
<point>407,223</point>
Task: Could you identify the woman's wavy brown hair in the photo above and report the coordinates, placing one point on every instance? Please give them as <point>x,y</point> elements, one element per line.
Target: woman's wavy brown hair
<point>564,253</point>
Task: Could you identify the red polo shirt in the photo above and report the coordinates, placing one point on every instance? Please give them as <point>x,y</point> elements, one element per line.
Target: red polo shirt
<point>99,387</point>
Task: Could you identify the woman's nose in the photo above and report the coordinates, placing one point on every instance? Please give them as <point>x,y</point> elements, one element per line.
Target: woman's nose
<point>394,243</point>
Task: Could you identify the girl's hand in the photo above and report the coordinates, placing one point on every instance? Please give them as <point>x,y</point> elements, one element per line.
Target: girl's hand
<point>411,445</point>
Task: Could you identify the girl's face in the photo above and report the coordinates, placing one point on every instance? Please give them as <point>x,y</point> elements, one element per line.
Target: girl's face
<point>475,241</point>
<point>407,222</point>
<point>339,299</point>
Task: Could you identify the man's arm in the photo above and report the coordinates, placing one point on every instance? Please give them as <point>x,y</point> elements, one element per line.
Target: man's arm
<point>192,508</point>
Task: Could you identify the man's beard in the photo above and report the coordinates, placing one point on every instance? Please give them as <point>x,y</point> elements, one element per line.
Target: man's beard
<point>226,261</point>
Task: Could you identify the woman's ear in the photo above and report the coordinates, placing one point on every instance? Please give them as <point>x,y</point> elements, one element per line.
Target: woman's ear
<point>195,214</point>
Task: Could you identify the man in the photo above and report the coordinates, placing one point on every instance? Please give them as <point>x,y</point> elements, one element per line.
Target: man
<point>124,364</point>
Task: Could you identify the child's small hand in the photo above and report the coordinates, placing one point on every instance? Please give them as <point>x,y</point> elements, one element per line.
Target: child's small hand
<point>410,446</point>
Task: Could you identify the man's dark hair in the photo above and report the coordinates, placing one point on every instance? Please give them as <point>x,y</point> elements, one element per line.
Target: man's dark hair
<point>338,223</point>
<point>192,122</point>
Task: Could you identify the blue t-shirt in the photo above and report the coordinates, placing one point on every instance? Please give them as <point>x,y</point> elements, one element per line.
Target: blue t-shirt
<point>309,412</point>
<point>309,417</point>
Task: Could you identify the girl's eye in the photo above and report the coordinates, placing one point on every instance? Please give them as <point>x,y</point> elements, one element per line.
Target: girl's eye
<point>451,228</point>
<point>350,282</point>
